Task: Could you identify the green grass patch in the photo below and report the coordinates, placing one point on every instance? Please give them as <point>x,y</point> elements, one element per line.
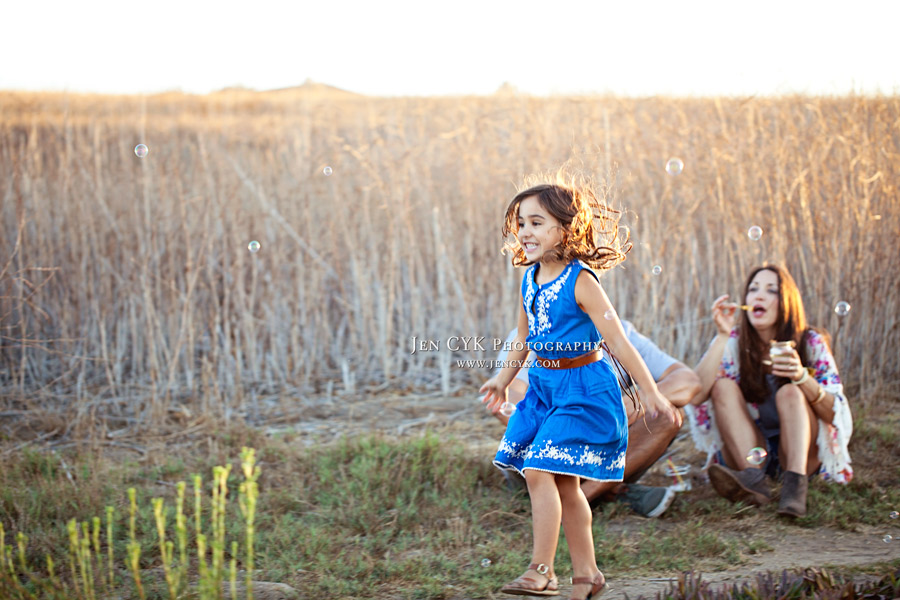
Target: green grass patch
<point>862,501</point>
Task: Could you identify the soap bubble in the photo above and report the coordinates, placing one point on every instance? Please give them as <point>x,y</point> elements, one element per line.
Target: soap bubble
<point>894,514</point>
<point>842,309</point>
<point>507,409</point>
<point>674,166</point>
<point>253,246</point>
<point>757,455</point>
<point>610,314</point>
<point>141,150</point>
<point>485,562</point>
<point>887,539</point>
<point>328,171</point>
<point>754,233</point>
<point>656,269</point>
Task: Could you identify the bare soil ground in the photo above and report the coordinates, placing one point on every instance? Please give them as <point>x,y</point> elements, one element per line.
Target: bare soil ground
<point>797,548</point>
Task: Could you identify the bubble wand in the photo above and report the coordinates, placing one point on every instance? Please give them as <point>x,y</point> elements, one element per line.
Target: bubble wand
<point>675,472</point>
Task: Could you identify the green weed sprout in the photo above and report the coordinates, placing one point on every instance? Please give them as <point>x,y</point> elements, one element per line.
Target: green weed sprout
<point>248,494</point>
<point>134,548</point>
<point>165,546</point>
<point>109,546</point>
<point>181,534</point>
<point>74,554</point>
<point>232,572</point>
<point>86,560</point>
<point>95,542</point>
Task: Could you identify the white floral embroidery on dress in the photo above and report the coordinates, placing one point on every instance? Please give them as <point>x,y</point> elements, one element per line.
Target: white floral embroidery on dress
<point>590,458</point>
<point>550,451</point>
<point>546,297</point>
<point>563,454</point>
<point>514,449</point>
<point>529,298</point>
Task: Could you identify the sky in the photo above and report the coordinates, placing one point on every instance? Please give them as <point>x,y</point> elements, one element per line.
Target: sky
<point>424,48</point>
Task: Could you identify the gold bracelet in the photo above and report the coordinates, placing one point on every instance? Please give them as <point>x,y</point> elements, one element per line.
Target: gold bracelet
<point>802,379</point>
<point>819,396</point>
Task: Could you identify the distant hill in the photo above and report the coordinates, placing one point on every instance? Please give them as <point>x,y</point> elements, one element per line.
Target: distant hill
<point>308,88</point>
<point>507,89</point>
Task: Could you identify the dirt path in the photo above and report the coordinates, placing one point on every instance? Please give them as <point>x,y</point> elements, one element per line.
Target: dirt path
<point>796,549</point>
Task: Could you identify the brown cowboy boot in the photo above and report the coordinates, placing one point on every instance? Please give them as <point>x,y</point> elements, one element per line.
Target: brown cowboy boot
<point>793,495</point>
<point>748,485</point>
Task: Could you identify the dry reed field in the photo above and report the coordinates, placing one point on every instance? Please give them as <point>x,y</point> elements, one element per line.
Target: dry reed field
<point>126,284</point>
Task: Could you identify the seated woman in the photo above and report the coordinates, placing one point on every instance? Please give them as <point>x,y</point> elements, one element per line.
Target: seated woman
<point>791,404</point>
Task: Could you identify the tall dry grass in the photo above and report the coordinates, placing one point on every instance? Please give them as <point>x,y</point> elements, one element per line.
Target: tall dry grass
<point>129,280</point>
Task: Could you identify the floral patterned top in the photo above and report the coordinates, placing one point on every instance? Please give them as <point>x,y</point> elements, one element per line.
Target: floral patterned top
<point>833,438</point>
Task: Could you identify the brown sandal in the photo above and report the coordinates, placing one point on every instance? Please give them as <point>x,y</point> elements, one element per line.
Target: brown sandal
<point>598,586</point>
<point>526,586</point>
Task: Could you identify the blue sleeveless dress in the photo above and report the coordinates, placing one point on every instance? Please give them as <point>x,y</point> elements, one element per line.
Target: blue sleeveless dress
<point>571,421</point>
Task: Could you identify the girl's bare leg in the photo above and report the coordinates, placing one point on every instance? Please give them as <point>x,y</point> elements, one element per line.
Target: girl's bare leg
<point>798,451</point>
<point>546,511</point>
<point>739,432</point>
<point>576,521</point>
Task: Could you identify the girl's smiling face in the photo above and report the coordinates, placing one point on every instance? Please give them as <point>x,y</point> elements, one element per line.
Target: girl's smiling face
<point>539,232</point>
<point>763,297</point>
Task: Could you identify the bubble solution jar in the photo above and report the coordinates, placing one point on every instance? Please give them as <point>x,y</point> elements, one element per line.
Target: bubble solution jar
<point>779,349</point>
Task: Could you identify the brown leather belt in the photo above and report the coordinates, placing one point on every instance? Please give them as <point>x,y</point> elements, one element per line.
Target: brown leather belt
<point>570,363</point>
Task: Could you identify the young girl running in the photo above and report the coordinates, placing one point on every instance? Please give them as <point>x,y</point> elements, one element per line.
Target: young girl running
<point>571,423</point>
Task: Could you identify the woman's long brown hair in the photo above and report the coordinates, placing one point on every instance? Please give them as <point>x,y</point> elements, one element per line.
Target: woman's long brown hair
<point>790,325</point>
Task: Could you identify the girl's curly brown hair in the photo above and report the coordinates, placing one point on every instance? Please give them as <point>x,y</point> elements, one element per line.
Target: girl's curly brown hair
<point>590,227</point>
